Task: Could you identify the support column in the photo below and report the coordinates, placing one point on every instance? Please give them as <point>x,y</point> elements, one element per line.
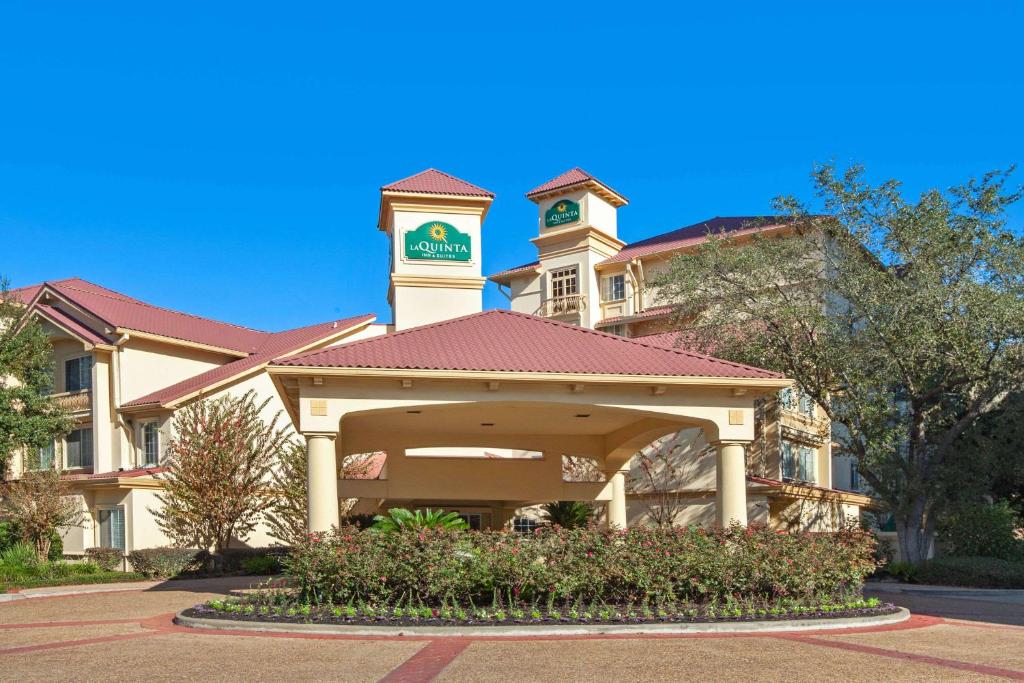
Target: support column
<point>615,511</point>
<point>322,482</point>
<point>731,484</point>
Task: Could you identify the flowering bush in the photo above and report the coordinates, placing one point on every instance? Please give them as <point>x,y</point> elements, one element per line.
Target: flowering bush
<point>439,567</point>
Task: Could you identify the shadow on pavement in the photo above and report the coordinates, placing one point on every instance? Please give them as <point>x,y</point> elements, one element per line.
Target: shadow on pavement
<point>219,584</point>
<point>998,608</point>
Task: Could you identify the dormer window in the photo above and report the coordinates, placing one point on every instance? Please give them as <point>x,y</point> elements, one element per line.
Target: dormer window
<point>613,288</point>
<point>78,374</point>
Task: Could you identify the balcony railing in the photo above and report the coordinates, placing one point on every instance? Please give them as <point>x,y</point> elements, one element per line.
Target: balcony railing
<point>562,305</point>
<point>75,401</point>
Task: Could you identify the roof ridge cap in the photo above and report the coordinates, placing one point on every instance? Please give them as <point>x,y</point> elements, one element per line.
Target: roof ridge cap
<point>140,302</point>
<point>635,340</point>
<point>398,333</point>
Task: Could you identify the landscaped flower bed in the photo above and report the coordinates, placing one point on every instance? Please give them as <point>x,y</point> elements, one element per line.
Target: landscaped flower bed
<point>442,576</point>
<point>247,609</point>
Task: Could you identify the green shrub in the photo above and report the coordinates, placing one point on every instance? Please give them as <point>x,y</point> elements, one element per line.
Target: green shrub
<point>904,571</point>
<point>977,572</point>
<point>10,535</point>
<point>261,564</point>
<point>982,531</point>
<point>568,513</point>
<point>109,559</point>
<point>233,560</point>
<point>166,563</point>
<point>399,519</point>
<point>19,558</point>
<point>567,566</point>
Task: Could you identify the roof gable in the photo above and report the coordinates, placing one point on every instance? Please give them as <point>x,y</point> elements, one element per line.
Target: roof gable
<point>432,181</point>
<point>506,341</point>
<point>577,176</point>
<point>277,345</point>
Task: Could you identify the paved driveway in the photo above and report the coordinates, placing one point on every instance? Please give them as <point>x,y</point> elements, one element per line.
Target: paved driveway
<point>128,635</point>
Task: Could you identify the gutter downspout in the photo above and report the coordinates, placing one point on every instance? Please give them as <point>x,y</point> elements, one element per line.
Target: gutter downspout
<point>115,360</point>
<point>641,285</point>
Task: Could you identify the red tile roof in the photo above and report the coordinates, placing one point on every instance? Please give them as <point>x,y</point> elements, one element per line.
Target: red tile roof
<point>654,312</point>
<point>72,325</point>
<point>695,234</point>
<point>669,340</point>
<point>118,310</point>
<point>504,275</point>
<point>506,341</point>
<point>277,345</point>
<point>574,176</point>
<point>433,181</point>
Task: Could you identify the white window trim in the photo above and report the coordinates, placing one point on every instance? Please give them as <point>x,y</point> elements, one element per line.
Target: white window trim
<point>92,362</point>
<point>65,450</point>
<point>562,273</point>
<point>606,288</point>
<point>141,460</point>
<point>98,526</point>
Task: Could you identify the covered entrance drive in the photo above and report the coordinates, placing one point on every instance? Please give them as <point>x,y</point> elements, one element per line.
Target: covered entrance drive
<point>499,397</point>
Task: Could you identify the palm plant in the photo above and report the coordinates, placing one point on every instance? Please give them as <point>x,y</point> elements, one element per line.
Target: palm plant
<point>400,519</point>
<point>568,514</point>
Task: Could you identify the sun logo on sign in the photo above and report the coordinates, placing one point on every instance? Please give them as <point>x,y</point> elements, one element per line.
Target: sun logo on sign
<point>561,208</point>
<point>438,233</point>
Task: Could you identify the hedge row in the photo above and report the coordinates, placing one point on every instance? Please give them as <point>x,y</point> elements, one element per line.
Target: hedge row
<point>167,563</point>
<point>561,566</point>
<point>976,572</point>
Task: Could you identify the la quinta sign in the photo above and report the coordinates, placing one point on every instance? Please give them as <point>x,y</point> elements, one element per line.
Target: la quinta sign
<point>561,212</point>
<point>437,241</point>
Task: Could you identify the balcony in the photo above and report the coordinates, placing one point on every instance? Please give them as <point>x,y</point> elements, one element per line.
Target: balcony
<point>559,306</point>
<point>74,401</point>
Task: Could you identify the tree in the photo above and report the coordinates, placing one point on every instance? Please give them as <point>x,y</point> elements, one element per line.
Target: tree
<point>568,514</point>
<point>38,503</point>
<point>218,471</point>
<point>29,417</point>
<point>287,516</point>
<point>659,474</point>
<point>903,320</point>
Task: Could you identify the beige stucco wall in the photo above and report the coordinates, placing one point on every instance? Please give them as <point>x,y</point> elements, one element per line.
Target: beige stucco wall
<point>147,366</point>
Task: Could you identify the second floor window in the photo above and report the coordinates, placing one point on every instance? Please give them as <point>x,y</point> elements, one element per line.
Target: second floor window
<point>799,462</point>
<point>613,288</point>
<point>79,450</point>
<point>793,398</point>
<point>564,282</point>
<point>78,373</point>
<point>149,442</point>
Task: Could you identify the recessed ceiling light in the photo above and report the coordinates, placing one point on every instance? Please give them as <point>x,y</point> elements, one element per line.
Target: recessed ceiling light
<point>486,424</point>
<point>583,415</point>
<point>414,412</point>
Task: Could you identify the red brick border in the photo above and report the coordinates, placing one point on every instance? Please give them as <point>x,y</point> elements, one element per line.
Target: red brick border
<point>428,662</point>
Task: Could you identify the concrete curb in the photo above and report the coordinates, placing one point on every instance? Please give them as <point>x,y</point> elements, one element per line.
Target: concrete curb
<point>567,630</point>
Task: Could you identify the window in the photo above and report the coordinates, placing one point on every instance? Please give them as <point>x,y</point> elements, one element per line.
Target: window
<point>793,398</point>
<point>619,330</point>
<point>799,462</point>
<point>112,527</point>
<point>474,519</point>
<point>524,525</point>
<point>149,444</point>
<point>854,477</point>
<point>78,373</point>
<point>79,450</point>
<point>564,282</point>
<point>44,458</point>
<point>613,288</point>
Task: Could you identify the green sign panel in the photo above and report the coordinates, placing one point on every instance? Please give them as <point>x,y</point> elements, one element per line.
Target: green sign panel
<point>561,212</point>
<point>437,241</point>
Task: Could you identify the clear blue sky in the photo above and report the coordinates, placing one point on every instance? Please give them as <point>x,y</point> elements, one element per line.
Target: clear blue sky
<point>225,159</point>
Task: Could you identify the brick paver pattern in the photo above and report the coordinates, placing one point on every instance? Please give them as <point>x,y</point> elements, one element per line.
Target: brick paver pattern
<point>130,635</point>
